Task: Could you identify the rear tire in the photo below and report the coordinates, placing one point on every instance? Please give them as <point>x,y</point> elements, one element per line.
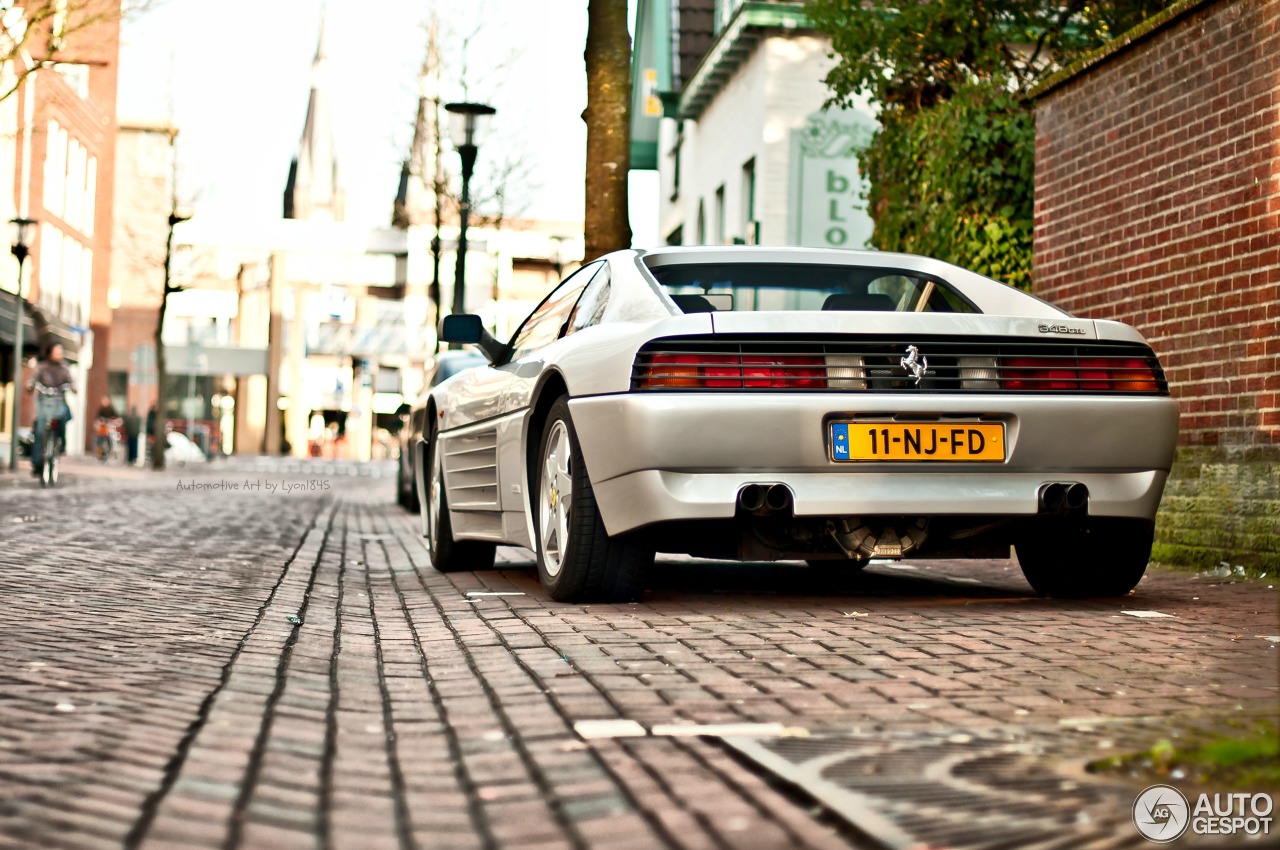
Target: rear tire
<point>577,559</point>
<point>411,503</point>
<point>407,489</point>
<point>449,555</point>
<point>1086,559</point>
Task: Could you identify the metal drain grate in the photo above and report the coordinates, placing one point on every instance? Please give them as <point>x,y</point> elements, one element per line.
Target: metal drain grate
<point>987,790</point>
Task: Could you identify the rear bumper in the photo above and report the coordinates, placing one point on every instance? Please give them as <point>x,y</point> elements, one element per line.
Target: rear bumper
<point>655,457</point>
<point>652,496</point>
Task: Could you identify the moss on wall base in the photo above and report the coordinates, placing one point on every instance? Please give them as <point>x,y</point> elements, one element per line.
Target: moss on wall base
<point>1221,505</point>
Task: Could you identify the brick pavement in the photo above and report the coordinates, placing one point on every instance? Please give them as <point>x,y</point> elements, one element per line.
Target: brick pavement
<point>155,692</point>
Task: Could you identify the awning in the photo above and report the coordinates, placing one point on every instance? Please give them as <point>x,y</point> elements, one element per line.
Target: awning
<point>39,329</point>
<point>650,78</point>
<point>238,360</point>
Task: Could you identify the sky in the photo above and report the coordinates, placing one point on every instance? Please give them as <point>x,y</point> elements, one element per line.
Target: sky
<point>234,77</point>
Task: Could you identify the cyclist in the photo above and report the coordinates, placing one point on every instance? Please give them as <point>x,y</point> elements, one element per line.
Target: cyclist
<point>53,373</point>
<point>103,425</point>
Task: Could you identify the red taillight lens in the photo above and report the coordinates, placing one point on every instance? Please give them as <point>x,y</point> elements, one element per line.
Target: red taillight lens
<point>1128,374</point>
<point>1095,374</point>
<point>1115,374</point>
<point>808,372</point>
<point>731,371</point>
<point>1037,373</point>
<point>721,371</point>
<point>784,372</point>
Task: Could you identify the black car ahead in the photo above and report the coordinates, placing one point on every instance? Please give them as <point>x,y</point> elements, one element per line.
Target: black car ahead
<point>448,364</point>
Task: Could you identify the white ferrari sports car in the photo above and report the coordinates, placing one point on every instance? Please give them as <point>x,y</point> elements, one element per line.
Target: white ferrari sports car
<point>785,403</point>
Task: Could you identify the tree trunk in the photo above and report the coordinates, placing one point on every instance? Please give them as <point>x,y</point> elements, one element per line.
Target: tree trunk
<point>608,117</point>
<point>158,429</point>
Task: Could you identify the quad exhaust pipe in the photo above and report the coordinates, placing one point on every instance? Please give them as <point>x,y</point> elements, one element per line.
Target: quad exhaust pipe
<point>1064,498</point>
<point>765,498</point>
<point>751,498</point>
<point>778,498</point>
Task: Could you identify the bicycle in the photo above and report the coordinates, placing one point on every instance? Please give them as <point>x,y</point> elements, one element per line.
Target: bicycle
<point>50,407</point>
<point>108,444</point>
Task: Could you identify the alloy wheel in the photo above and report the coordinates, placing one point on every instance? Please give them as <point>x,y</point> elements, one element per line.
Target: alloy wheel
<point>435,491</point>
<point>555,498</point>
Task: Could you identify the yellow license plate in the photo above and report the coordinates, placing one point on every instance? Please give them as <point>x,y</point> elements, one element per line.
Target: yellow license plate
<point>965,441</point>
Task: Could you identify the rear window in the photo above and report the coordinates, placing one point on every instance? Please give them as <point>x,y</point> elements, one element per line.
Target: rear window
<point>746,287</point>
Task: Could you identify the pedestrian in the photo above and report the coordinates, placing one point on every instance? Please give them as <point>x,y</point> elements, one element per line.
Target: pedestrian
<point>52,374</point>
<point>132,428</point>
<point>151,430</point>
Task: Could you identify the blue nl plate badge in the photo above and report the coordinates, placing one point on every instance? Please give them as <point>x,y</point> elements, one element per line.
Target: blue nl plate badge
<point>839,441</point>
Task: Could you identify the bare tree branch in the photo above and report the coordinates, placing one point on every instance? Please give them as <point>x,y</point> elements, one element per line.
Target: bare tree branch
<point>33,37</point>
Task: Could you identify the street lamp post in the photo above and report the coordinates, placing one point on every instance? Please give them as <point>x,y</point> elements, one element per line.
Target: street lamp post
<point>466,125</point>
<point>23,228</point>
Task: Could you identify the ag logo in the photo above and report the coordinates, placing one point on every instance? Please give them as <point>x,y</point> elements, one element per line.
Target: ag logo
<point>1161,814</point>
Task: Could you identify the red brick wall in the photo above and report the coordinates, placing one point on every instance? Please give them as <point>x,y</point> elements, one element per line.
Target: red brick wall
<point>1158,204</point>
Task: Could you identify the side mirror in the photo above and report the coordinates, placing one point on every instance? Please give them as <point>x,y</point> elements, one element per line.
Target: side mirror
<point>461,327</point>
<point>468,329</point>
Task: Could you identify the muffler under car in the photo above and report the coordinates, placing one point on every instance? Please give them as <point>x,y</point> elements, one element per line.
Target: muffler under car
<point>879,537</point>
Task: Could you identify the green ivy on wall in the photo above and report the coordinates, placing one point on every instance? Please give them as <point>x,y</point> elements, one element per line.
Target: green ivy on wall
<point>952,168</point>
<point>955,182</point>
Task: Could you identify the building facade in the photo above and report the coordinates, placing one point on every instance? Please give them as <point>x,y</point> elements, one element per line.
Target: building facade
<point>1158,204</point>
<point>304,336</point>
<point>56,156</point>
<point>728,107</point>
<point>143,200</point>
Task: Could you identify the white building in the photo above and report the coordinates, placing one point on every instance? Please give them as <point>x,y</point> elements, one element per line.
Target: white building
<point>305,334</point>
<point>340,312</point>
<point>728,106</point>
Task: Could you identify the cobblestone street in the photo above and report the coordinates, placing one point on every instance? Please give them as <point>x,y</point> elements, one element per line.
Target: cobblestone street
<point>278,666</point>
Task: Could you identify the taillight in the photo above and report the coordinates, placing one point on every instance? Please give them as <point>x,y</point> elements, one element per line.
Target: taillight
<point>732,371</point>
<point>846,372</point>
<point>1038,373</point>
<point>1095,374</point>
<point>978,373</point>
<point>720,370</point>
<point>671,370</point>
<point>784,372</point>
<point>1129,374</point>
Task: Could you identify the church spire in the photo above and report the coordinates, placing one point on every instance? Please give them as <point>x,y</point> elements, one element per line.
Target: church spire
<point>313,190</point>
<point>417,202</point>
<point>322,52</point>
